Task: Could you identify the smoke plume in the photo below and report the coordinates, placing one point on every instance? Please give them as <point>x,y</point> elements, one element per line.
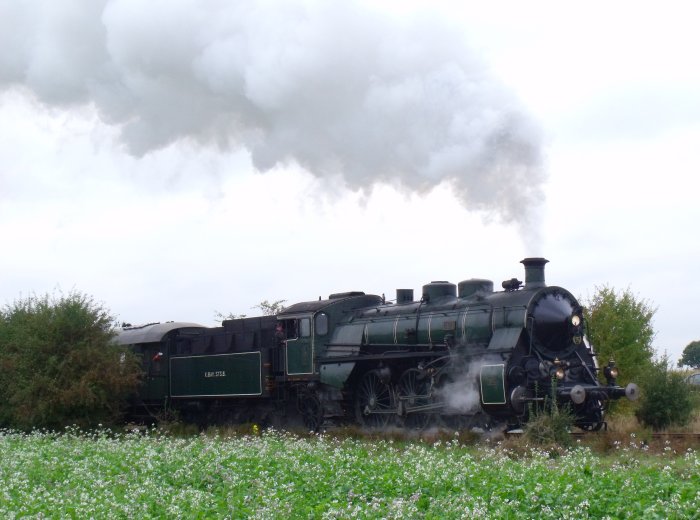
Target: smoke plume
<point>334,87</point>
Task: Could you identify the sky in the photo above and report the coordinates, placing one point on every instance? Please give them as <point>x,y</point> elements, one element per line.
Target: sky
<point>178,159</point>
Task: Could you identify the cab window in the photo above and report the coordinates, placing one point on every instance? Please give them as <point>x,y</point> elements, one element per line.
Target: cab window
<point>304,327</point>
<point>290,329</point>
<point>321,324</point>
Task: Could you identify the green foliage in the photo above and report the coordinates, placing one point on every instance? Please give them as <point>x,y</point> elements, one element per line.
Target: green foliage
<point>546,428</point>
<point>270,308</point>
<point>57,365</point>
<point>266,308</point>
<point>277,475</point>
<point>665,399</point>
<point>220,316</point>
<point>620,328</point>
<point>551,424</point>
<point>691,355</point>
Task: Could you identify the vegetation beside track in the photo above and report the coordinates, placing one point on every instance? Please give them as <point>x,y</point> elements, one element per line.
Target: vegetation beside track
<point>276,474</point>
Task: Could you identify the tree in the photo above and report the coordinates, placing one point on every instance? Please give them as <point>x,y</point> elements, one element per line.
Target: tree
<point>665,398</point>
<point>58,365</point>
<point>620,328</point>
<point>270,308</point>
<point>267,308</point>
<point>691,355</point>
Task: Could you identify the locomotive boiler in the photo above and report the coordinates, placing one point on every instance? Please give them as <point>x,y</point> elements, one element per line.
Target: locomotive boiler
<point>461,356</point>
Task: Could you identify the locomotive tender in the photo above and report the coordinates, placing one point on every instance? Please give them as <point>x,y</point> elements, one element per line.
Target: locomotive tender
<point>461,356</point>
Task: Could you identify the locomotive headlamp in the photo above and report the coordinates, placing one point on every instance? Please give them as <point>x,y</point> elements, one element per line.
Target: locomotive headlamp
<point>611,372</point>
<point>559,373</point>
<point>576,320</point>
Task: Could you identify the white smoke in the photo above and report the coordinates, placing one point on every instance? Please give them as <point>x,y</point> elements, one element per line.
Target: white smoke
<point>334,87</point>
<point>463,395</point>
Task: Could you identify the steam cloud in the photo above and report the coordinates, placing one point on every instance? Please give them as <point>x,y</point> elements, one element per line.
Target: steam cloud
<point>462,395</point>
<point>336,88</point>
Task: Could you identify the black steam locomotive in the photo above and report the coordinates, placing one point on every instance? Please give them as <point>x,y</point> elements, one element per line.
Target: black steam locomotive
<point>462,356</point>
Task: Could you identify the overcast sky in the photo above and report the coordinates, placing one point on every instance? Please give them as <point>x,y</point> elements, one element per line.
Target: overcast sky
<point>178,158</point>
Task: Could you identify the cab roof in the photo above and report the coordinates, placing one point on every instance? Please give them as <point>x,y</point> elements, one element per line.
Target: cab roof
<point>152,332</point>
<point>360,298</point>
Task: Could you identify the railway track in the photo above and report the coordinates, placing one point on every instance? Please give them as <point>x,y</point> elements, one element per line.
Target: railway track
<point>676,436</point>
<point>681,436</point>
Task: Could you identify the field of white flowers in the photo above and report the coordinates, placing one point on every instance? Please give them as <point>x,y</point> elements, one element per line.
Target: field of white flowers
<point>280,475</point>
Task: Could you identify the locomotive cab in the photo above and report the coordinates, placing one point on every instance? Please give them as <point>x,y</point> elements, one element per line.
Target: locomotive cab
<point>299,345</point>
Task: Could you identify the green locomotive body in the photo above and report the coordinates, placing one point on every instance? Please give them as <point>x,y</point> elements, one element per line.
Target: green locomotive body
<point>462,355</point>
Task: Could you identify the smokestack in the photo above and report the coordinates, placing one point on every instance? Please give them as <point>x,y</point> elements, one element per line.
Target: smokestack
<point>534,272</point>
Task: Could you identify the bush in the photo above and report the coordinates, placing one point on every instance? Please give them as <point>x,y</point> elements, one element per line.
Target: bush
<point>58,366</point>
<point>665,399</point>
<point>620,327</point>
<point>550,425</point>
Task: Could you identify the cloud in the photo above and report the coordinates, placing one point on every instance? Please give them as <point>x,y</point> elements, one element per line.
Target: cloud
<point>341,90</point>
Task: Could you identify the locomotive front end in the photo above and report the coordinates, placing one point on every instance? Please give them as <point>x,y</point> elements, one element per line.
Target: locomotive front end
<point>560,360</point>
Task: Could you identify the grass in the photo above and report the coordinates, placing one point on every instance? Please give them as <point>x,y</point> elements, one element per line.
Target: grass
<point>628,423</point>
<point>280,475</point>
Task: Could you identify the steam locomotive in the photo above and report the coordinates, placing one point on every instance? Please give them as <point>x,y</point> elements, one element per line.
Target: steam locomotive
<point>463,356</point>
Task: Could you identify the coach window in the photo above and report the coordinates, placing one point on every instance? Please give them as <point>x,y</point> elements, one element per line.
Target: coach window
<point>322,324</point>
<point>304,327</point>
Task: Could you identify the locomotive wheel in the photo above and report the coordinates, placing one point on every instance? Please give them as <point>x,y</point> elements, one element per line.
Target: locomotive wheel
<point>414,390</point>
<point>311,410</point>
<point>373,401</point>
